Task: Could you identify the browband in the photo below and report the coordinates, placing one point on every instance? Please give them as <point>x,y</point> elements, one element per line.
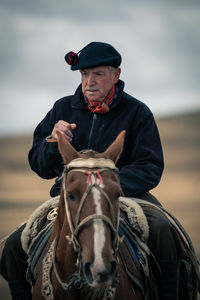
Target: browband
<point>91,163</point>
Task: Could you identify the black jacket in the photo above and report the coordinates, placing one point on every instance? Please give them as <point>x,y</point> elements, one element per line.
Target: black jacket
<point>141,163</point>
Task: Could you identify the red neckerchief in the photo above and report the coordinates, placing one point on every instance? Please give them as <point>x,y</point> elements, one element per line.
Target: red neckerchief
<point>102,107</point>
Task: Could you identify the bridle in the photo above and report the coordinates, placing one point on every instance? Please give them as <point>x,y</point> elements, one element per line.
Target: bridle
<point>89,167</point>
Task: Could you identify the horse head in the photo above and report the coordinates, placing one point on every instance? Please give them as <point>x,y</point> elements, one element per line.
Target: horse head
<point>90,194</point>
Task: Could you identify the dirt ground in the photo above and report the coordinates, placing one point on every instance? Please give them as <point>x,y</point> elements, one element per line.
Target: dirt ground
<point>178,191</point>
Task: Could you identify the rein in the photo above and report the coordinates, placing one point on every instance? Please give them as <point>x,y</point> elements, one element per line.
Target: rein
<point>89,167</point>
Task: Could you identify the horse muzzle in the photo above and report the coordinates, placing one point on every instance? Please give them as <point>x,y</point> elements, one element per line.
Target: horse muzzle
<point>101,276</point>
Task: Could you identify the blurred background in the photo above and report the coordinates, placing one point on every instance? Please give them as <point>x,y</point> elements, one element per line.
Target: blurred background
<point>160,47</point>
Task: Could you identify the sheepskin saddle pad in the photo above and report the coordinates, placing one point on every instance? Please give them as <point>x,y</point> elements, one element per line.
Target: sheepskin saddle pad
<point>44,216</point>
<point>133,230</point>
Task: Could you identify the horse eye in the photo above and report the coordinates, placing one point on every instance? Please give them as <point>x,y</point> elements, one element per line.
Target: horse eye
<point>70,196</point>
<point>119,194</point>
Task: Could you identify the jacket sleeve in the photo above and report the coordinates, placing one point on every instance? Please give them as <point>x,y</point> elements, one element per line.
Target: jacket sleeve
<point>44,157</point>
<point>146,165</point>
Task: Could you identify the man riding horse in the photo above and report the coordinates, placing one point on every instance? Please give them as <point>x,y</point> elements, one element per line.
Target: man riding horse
<point>91,119</point>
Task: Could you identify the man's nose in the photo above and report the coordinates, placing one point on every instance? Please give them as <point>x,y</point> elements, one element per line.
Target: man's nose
<point>90,80</point>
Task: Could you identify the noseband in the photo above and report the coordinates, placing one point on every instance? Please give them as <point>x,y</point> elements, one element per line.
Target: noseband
<point>89,167</point>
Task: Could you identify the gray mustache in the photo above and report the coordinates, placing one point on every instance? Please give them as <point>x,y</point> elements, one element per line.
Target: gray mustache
<point>91,89</point>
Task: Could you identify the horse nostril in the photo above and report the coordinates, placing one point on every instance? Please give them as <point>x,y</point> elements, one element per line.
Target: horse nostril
<point>114,265</point>
<point>87,272</point>
<point>108,274</point>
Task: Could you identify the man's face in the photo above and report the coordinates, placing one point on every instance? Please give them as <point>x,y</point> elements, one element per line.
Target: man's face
<point>98,81</point>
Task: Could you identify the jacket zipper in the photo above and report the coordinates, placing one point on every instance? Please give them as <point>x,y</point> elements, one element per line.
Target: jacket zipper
<point>91,131</point>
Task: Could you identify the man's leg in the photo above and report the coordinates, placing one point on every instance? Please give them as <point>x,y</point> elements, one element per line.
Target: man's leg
<point>13,266</point>
<point>163,244</point>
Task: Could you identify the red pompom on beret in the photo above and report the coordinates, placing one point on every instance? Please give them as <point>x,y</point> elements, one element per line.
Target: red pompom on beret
<point>71,58</point>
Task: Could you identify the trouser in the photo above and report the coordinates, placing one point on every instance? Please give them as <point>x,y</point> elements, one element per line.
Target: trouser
<point>13,266</point>
<point>162,243</point>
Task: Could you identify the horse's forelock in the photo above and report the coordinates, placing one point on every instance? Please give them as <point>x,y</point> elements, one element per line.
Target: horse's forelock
<point>88,153</point>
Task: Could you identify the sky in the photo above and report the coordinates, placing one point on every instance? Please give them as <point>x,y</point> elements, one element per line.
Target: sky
<point>159,41</point>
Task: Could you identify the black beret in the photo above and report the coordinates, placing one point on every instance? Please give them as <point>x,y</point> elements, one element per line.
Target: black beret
<point>93,55</point>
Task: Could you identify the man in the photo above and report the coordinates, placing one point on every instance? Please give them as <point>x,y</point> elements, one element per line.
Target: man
<point>92,118</point>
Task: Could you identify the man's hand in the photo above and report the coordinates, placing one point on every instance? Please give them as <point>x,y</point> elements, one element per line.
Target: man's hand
<point>65,128</point>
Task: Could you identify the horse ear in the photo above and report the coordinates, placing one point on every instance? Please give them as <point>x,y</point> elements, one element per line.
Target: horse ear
<point>66,150</point>
<point>114,151</point>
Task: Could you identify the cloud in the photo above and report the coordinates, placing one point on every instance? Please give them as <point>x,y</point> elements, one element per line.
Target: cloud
<point>159,45</point>
<point>77,10</point>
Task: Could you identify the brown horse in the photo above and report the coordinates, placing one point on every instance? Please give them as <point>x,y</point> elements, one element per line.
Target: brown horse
<point>82,260</point>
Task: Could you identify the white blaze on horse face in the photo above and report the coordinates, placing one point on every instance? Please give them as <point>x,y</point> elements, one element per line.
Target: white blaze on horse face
<point>99,230</point>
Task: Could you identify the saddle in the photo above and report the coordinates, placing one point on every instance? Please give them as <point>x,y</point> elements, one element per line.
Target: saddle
<point>138,261</point>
